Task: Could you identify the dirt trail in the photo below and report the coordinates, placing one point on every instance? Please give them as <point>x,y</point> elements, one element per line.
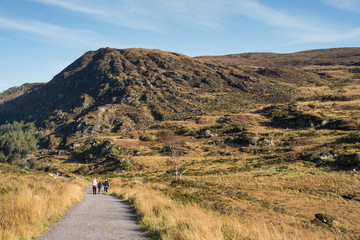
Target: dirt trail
<point>97,217</point>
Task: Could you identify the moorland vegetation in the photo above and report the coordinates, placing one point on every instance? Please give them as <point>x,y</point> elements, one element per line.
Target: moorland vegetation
<point>210,147</point>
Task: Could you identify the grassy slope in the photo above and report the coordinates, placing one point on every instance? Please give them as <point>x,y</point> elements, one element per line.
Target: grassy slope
<point>244,192</point>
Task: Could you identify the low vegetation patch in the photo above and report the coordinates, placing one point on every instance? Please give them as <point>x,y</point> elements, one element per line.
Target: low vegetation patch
<point>32,201</point>
<point>166,218</point>
<point>18,140</point>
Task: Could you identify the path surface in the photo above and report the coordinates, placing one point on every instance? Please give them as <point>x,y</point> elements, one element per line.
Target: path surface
<point>97,217</point>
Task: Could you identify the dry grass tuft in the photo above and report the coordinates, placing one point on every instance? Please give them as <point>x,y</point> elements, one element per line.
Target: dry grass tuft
<point>30,203</point>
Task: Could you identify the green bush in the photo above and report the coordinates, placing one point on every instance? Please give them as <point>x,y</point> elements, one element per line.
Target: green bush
<point>17,140</point>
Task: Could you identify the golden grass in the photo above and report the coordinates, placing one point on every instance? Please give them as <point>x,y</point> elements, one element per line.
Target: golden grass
<point>29,204</point>
<point>170,219</point>
<point>246,192</point>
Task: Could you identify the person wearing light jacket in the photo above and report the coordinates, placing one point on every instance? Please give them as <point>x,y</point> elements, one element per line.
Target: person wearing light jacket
<point>94,185</point>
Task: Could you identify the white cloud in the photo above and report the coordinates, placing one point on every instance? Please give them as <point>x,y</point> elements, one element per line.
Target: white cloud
<point>55,34</point>
<point>350,5</point>
<point>152,15</point>
<point>119,12</point>
<point>300,28</point>
<point>209,15</point>
<point>269,16</point>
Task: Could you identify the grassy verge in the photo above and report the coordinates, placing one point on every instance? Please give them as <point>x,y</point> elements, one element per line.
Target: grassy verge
<point>31,202</point>
<point>166,218</point>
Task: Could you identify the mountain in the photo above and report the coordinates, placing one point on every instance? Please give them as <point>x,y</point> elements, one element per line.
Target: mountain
<point>112,89</point>
<point>121,90</point>
<point>319,57</point>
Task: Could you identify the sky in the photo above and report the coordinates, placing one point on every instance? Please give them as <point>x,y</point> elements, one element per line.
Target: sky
<point>39,38</point>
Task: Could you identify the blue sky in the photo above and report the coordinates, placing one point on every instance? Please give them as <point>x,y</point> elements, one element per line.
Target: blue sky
<point>39,38</point>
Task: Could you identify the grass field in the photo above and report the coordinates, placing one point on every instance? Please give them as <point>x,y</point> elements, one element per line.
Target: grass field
<point>241,207</point>
<point>31,201</point>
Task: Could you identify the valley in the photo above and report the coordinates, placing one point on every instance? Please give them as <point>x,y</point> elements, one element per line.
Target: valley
<point>245,146</point>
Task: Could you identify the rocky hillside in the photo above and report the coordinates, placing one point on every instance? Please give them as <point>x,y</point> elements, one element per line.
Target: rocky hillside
<point>119,90</point>
<point>320,57</point>
<point>15,92</point>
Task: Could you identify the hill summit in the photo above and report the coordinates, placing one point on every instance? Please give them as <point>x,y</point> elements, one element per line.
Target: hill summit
<point>121,89</point>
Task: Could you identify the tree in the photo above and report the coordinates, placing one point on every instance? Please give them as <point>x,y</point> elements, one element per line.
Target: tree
<point>17,140</point>
<point>173,148</point>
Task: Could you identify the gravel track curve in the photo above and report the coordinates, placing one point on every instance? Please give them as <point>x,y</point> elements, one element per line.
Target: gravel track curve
<point>97,217</point>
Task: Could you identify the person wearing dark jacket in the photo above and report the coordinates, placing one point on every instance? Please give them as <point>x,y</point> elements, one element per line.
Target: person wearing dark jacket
<point>99,186</point>
<point>106,186</point>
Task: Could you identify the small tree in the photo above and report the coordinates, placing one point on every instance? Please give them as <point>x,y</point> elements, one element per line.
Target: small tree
<point>174,158</point>
<point>173,149</point>
<point>174,161</point>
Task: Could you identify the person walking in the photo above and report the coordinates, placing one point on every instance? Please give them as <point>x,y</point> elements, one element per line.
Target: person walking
<point>99,186</point>
<point>106,186</point>
<point>94,185</point>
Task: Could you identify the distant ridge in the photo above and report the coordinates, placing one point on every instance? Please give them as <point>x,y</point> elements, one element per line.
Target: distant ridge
<point>14,92</point>
<point>319,57</point>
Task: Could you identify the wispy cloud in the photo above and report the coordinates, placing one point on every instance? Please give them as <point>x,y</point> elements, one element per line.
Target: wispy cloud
<point>55,34</point>
<point>147,15</point>
<point>300,28</point>
<point>270,16</point>
<point>209,15</point>
<point>119,12</point>
<point>350,5</point>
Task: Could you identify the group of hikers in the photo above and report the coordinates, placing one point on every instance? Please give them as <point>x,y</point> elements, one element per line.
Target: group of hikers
<point>99,185</point>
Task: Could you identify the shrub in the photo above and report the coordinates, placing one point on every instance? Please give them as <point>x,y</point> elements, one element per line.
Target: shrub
<point>353,137</point>
<point>244,139</point>
<point>351,160</point>
<point>238,129</point>
<point>164,135</point>
<point>204,133</point>
<point>146,138</point>
<point>17,140</point>
<point>185,130</point>
<point>83,169</point>
<point>125,164</point>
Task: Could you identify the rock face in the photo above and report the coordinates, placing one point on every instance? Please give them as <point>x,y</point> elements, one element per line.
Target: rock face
<point>120,90</point>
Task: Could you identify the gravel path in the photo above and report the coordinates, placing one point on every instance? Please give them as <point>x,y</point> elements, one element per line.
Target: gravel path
<point>97,217</point>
